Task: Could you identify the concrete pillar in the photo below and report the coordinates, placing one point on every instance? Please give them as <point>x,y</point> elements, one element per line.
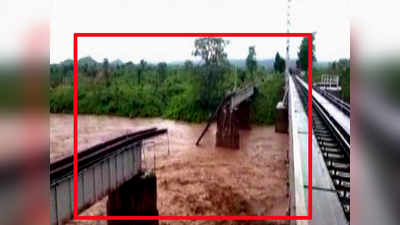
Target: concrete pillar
<point>227,129</point>
<point>243,115</point>
<point>282,118</point>
<point>136,197</point>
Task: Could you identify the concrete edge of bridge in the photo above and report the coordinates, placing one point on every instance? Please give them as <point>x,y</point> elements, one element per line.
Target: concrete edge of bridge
<point>297,202</point>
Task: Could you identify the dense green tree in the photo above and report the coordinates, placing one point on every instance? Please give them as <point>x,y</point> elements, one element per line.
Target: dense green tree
<point>279,63</point>
<point>251,62</point>
<point>188,92</point>
<point>342,68</point>
<point>211,50</point>
<point>302,55</point>
<point>56,77</point>
<point>106,71</point>
<point>162,71</point>
<point>140,71</point>
<point>188,65</point>
<point>343,64</point>
<point>333,67</point>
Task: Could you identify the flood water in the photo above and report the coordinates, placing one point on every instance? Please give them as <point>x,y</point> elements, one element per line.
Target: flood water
<point>191,180</point>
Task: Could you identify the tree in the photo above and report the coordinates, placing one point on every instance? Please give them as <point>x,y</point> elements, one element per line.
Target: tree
<point>142,67</point>
<point>105,70</point>
<point>188,65</point>
<point>279,64</point>
<point>251,62</point>
<point>162,71</point>
<point>211,50</point>
<point>343,64</point>
<point>342,68</point>
<point>333,67</point>
<point>302,55</point>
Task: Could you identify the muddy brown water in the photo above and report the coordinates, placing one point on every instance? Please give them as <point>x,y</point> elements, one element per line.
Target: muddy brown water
<point>201,181</point>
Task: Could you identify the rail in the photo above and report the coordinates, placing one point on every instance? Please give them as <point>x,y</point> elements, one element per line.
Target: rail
<point>334,143</point>
<point>339,103</point>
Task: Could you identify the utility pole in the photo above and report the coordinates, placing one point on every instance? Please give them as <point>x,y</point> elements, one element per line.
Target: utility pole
<point>282,117</point>
<point>287,73</point>
<point>288,23</point>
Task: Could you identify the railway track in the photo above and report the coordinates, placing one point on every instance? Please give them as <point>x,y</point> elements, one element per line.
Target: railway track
<point>334,144</point>
<point>64,167</point>
<point>340,104</point>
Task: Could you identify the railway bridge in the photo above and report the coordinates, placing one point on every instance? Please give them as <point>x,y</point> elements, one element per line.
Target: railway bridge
<point>113,169</point>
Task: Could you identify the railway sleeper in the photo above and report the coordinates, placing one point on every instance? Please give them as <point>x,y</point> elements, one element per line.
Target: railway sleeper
<point>342,183</point>
<point>343,193</point>
<point>328,144</point>
<point>330,150</point>
<point>341,180</point>
<point>337,165</point>
<point>322,136</point>
<point>335,155</point>
<point>340,173</point>
<point>325,138</point>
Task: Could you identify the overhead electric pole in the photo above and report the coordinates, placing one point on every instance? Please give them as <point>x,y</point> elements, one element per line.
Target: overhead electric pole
<point>287,61</point>
<point>288,23</point>
<point>282,117</point>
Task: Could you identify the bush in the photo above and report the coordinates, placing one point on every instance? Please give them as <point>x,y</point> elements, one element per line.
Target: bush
<point>61,99</point>
<point>268,94</point>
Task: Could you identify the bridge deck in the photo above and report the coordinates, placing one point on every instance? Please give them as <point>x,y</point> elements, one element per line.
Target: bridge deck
<point>94,183</point>
<point>241,96</point>
<point>338,115</point>
<point>102,169</point>
<point>326,206</point>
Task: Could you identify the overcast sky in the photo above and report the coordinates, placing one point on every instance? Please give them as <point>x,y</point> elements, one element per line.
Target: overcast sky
<point>330,19</point>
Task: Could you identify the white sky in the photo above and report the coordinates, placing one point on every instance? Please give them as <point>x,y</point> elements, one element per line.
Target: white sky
<point>330,19</point>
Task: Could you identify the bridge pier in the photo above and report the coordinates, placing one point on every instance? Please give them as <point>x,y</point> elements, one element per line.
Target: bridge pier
<point>282,118</point>
<point>227,129</point>
<point>136,197</point>
<point>231,114</point>
<point>229,122</point>
<point>243,115</point>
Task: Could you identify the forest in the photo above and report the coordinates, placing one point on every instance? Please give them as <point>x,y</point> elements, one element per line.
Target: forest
<point>189,91</point>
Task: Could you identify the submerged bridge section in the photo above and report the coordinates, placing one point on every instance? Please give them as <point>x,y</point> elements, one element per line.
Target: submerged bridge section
<point>102,170</point>
<point>330,157</point>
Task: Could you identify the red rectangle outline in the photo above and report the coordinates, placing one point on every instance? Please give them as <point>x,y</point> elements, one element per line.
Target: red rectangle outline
<point>75,103</point>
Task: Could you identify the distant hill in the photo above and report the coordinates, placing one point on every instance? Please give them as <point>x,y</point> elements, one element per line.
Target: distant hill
<point>322,64</point>
<point>67,62</point>
<point>117,62</point>
<point>268,63</point>
<point>87,60</point>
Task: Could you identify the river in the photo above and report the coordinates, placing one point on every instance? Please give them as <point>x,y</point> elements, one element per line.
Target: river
<point>192,180</point>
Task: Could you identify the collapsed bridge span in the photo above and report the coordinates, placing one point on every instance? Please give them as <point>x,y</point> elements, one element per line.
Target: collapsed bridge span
<point>232,114</point>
